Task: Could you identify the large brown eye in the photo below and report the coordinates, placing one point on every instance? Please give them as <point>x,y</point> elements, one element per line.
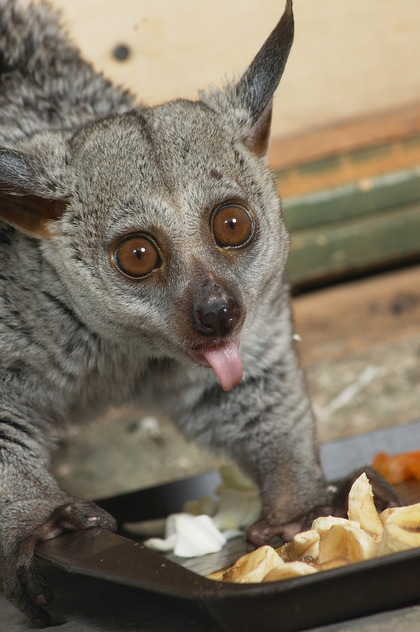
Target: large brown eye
<point>232,225</point>
<point>137,256</point>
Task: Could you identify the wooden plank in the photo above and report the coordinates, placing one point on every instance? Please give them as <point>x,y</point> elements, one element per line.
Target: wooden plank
<point>353,200</point>
<point>352,246</point>
<point>360,346</point>
<point>344,137</point>
<point>343,320</point>
<point>356,166</point>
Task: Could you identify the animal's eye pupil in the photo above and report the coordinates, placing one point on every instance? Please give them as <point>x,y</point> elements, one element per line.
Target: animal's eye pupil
<point>137,256</point>
<point>232,225</point>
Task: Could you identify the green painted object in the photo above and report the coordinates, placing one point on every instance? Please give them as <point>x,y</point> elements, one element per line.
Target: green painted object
<point>369,224</point>
<point>361,243</point>
<point>361,198</point>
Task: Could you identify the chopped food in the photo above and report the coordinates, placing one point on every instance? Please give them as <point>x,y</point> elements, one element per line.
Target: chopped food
<point>332,541</point>
<point>362,510</point>
<point>205,525</point>
<point>191,536</point>
<point>347,542</point>
<point>254,566</point>
<point>398,467</point>
<point>291,569</point>
<point>304,545</point>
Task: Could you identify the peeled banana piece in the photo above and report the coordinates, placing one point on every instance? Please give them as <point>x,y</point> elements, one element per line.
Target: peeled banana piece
<point>401,529</point>
<point>333,542</point>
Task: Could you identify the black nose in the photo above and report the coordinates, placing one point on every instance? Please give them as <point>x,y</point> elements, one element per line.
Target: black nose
<point>216,316</point>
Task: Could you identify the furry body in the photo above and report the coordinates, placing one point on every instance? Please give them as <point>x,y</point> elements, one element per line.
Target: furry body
<point>80,169</point>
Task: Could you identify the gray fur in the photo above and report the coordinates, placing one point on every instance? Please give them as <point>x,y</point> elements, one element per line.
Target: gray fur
<point>77,336</point>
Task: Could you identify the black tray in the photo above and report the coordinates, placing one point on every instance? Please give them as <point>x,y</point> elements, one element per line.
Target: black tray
<point>288,605</point>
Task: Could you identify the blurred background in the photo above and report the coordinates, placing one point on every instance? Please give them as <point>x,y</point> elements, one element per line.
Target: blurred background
<point>345,152</point>
<point>349,59</point>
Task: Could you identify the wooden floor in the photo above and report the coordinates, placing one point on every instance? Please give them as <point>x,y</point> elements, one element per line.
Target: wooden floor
<point>350,318</point>
<point>361,350</point>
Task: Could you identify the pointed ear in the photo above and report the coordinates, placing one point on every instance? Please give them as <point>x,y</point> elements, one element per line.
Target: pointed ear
<point>31,192</point>
<point>247,104</point>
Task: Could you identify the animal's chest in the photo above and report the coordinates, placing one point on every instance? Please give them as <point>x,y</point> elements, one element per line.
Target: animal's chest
<point>117,381</point>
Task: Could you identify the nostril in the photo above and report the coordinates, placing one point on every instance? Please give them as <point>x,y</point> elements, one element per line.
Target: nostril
<point>208,320</point>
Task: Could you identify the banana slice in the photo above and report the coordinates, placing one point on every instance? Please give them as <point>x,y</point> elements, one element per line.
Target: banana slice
<point>346,541</point>
<point>305,544</point>
<point>218,576</point>
<point>323,524</point>
<point>406,517</point>
<point>335,563</point>
<point>401,528</point>
<point>333,542</point>
<point>291,569</point>
<point>254,566</point>
<point>361,507</point>
<point>396,538</point>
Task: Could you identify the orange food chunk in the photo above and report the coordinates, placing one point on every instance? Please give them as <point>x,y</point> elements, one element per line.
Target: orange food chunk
<point>398,467</point>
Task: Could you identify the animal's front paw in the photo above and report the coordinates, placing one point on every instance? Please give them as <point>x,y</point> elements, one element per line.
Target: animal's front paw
<point>270,525</point>
<point>267,527</point>
<point>20,577</point>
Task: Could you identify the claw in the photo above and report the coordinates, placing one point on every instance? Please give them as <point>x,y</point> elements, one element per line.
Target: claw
<point>45,599</point>
<point>41,619</point>
<point>20,577</point>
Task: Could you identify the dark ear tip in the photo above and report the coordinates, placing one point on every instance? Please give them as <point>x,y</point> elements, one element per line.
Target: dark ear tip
<point>246,101</point>
<point>288,11</point>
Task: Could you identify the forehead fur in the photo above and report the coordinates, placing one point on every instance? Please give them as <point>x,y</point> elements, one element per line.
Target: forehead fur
<point>162,143</point>
<point>154,158</point>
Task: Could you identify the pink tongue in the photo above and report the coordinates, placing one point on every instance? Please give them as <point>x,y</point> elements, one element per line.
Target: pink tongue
<point>226,363</point>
